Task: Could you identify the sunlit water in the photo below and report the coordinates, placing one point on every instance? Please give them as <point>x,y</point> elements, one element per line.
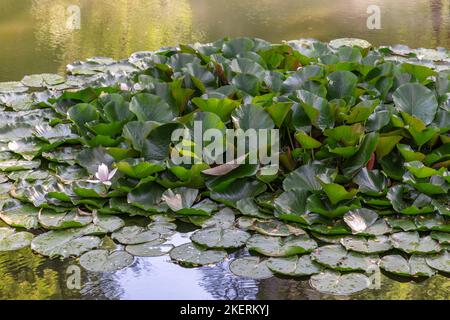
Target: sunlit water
<point>34,38</point>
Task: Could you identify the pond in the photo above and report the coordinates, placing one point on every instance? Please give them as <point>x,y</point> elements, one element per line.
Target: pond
<point>34,39</point>
<point>26,275</point>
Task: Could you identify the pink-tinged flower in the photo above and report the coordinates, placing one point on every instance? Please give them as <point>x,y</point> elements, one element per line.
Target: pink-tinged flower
<point>103,175</point>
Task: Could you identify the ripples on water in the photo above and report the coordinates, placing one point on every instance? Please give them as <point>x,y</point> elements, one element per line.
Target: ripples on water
<point>25,275</point>
<point>34,37</point>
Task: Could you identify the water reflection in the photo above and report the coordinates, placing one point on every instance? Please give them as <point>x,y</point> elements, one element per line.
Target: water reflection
<point>26,275</point>
<point>435,288</point>
<point>34,37</point>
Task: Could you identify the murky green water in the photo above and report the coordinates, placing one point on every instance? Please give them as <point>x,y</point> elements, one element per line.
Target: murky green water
<point>34,38</point>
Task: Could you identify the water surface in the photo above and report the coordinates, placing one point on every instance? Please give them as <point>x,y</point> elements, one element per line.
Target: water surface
<point>26,275</point>
<point>34,37</point>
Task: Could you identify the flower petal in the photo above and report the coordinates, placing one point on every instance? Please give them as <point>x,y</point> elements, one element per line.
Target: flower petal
<point>111,174</point>
<point>103,172</point>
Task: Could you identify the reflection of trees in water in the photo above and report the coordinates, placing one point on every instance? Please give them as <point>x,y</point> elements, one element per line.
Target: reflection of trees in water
<point>439,10</point>
<point>112,28</point>
<point>23,276</point>
<point>223,285</point>
<point>437,287</point>
<point>436,15</point>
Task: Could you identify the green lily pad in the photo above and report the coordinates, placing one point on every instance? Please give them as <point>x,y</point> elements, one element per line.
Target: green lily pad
<point>51,219</point>
<point>334,283</point>
<point>369,246</point>
<point>416,100</point>
<point>440,262</point>
<point>19,215</point>
<point>10,240</point>
<point>189,254</point>
<point>272,228</point>
<point>154,248</point>
<point>108,223</point>
<point>165,229</point>
<point>306,177</point>
<point>411,242</point>
<point>65,243</point>
<point>296,266</point>
<point>134,235</point>
<point>337,258</point>
<point>414,267</point>
<point>280,247</point>
<point>218,238</point>
<point>251,267</point>
<point>441,237</point>
<point>105,261</point>
<point>17,165</point>
<point>223,218</point>
<point>372,182</point>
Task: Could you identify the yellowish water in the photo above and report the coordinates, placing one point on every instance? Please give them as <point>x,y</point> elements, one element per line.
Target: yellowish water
<point>34,36</point>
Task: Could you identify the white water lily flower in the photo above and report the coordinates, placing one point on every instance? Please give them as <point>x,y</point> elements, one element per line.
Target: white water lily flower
<point>103,175</point>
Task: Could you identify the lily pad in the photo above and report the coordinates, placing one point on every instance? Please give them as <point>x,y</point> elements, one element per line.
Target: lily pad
<point>154,248</point>
<point>369,246</point>
<point>296,266</point>
<point>10,240</point>
<point>281,247</point>
<point>411,242</point>
<point>415,266</point>
<point>134,235</point>
<point>19,215</point>
<point>105,261</point>
<point>440,262</point>
<point>50,219</point>
<point>337,258</point>
<point>218,238</point>
<point>189,254</point>
<point>251,267</point>
<point>65,243</point>
<point>334,283</point>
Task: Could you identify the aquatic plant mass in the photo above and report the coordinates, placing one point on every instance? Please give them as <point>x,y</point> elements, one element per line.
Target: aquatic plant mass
<point>362,183</point>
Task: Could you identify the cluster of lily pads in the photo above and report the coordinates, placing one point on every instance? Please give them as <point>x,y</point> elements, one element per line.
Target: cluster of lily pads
<point>363,182</point>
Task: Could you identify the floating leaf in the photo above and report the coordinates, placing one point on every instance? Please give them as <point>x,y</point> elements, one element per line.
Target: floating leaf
<point>281,247</point>
<point>50,219</point>
<point>154,248</point>
<point>296,266</point>
<point>414,267</point>
<point>134,235</point>
<point>251,267</point>
<point>65,243</point>
<point>189,254</point>
<point>334,283</point>
<point>10,240</point>
<point>411,242</point>
<point>439,262</point>
<point>218,238</point>
<point>104,261</point>
<point>369,246</point>
<point>337,258</point>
